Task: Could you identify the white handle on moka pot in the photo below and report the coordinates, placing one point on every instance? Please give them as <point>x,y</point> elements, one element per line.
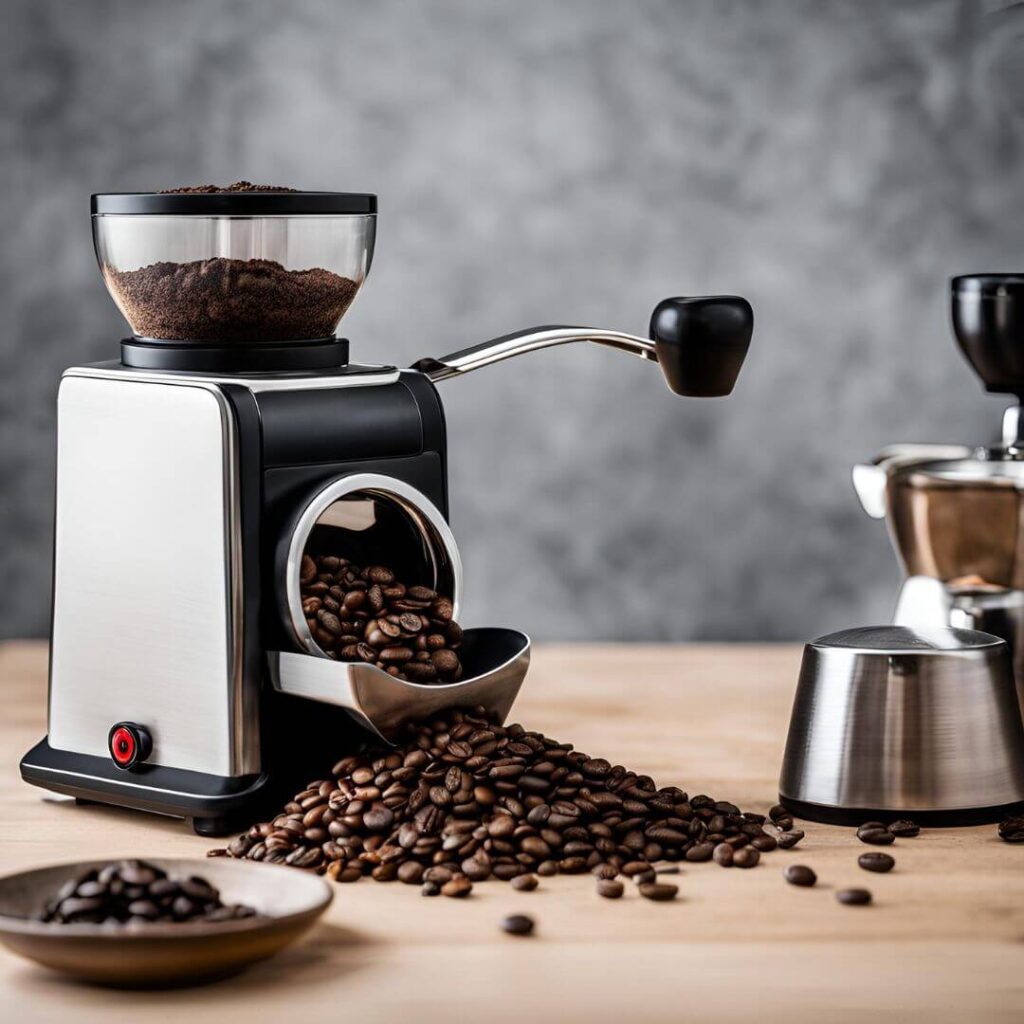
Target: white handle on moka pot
<point>870,478</point>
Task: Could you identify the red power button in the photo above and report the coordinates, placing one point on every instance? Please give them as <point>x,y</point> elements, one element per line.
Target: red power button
<point>129,744</point>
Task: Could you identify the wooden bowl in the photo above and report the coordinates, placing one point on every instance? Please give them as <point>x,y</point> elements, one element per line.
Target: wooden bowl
<point>287,902</point>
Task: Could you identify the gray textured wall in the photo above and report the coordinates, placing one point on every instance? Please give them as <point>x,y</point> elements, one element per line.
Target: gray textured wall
<point>835,162</point>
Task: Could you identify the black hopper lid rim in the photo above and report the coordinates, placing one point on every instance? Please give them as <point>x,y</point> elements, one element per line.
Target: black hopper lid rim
<point>238,204</point>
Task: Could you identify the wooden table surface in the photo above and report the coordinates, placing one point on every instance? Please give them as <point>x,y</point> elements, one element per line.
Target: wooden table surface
<point>944,940</point>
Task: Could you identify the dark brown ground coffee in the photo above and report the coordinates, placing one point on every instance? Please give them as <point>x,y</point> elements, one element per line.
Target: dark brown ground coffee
<point>236,186</point>
<point>226,300</point>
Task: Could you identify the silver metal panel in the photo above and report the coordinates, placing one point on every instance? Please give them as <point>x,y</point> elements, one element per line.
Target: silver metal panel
<point>147,587</point>
<point>255,383</point>
<point>896,718</point>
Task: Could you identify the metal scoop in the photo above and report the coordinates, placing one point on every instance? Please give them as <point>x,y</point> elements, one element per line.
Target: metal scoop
<point>495,662</point>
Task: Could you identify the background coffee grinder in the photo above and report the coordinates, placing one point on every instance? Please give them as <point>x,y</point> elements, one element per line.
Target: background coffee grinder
<point>956,512</point>
<point>232,436</point>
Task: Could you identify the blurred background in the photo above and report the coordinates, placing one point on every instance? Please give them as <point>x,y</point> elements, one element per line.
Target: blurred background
<point>835,162</point>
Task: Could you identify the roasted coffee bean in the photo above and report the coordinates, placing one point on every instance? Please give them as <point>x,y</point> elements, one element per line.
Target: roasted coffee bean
<point>658,891</point>
<point>854,897</point>
<point>723,855</point>
<point>610,888</point>
<point>701,852</point>
<point>875,833</point>
<point>458,888</point>
<point>430,889</point>
<point>517,924</point>
<point>410,872</point>
<point>904,828</point>
<point>476,870</point>
<point>1011,829</point>
<point>799,874</point>
<point>787,840</point>
<point>635,867</point>
<point>781,817</point>
<point>524,883</point>
<point>378,818</point>
<point>880,862</point>
<point>745,857</point>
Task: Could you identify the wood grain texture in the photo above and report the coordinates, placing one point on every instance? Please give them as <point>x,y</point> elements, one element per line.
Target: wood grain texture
<point>944,941</point>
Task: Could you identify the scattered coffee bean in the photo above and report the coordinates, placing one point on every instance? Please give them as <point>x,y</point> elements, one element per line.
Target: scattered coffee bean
<point>430,889</point>
<point>658,891</point>
<point>787,840</point>
<point>781,818</point>
<point>610,888</point>
<point>854,897</point>
<point>517,924</point>
<point>132,891</point>
<point>524,883</point>
<point>1011,830</point>
<point>876,833</point>
<point>904,828</point>
<point>799,874</point>
<point>880,862</point>
<point>723,855</point>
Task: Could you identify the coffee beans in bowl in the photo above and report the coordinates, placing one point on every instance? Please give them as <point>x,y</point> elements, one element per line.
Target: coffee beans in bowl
<point>78,918</point>
<point>134,892</point>
<point>367,614</point>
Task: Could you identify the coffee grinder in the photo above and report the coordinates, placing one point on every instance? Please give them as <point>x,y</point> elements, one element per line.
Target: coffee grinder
<point>234,435</point>
<point>956,512</point>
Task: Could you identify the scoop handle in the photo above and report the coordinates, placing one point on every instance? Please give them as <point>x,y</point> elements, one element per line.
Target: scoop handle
<point>699,343</point>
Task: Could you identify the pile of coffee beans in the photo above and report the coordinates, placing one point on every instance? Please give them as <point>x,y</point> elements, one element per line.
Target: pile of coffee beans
<point>134,892</point>
<point>462,800</point>
<point>367,615</point>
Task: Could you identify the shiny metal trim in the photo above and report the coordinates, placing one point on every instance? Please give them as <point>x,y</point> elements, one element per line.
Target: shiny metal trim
<point>255,384</point>
<point>907,727</point>
<point>422,512</point>
<point>383,704</point>
<point>510,345</point>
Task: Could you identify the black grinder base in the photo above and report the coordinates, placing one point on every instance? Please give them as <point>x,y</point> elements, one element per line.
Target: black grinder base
<point>211,357</point>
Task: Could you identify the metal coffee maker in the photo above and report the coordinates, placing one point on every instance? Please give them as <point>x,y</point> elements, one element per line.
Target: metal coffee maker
<point>234,437</point>
<point>955,513</point>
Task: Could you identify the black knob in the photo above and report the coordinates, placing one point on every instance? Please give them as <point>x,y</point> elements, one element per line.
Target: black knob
<point>129,744</point>
<point>702,342</point>
<point>988,320</point>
